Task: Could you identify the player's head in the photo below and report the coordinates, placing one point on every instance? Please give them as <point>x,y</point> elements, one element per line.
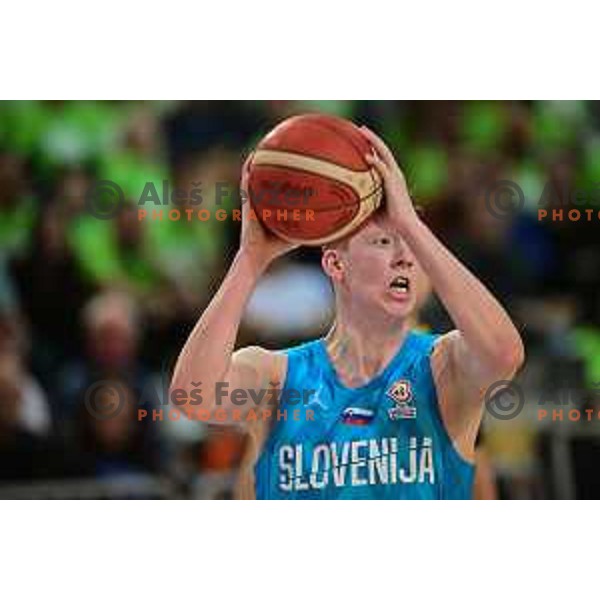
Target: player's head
<point>374,270</point>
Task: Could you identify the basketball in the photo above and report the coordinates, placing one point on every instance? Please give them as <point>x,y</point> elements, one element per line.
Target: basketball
<point>309,181</point>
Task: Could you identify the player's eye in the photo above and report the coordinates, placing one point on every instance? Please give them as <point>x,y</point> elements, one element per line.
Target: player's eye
<point>383,241</point>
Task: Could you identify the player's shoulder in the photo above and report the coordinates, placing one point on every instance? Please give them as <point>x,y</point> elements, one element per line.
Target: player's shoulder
<point>265,365</point>
<point>443,355</point>
<point>252,354</point>
<point>257,352</point>
<point>308,348</point>
<point>258,359</point>
<point>274,363</point>
<point>422,343</point>
<point>444,341</point>
<point>424,340</point>
<point>436,348</point>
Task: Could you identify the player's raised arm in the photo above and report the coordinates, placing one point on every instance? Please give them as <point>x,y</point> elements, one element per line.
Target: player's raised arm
<point>486,346</point>
<point>207,357</point>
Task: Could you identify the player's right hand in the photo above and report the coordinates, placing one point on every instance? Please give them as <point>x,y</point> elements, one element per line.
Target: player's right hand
<point>262,245</point>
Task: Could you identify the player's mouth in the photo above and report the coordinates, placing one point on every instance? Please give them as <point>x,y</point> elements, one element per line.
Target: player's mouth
<point>400,287</point>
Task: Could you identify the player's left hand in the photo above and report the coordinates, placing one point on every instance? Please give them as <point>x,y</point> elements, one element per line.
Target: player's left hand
<point>398,201</point>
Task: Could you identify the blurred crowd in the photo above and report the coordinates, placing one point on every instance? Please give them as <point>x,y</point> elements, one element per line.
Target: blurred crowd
<point>84,299</point>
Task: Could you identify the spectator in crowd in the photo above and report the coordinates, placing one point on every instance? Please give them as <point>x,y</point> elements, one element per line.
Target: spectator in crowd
<point>115,443</point>
<point>51,290</point>
<point>27,452</point>
<point>33,410</point>
<point>111,329</point>
<point>22,454</point>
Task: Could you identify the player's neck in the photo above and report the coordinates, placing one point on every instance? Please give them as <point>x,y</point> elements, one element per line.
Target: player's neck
<point>360,350</point>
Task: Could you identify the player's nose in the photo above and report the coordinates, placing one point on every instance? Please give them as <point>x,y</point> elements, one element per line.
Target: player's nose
<point>402,257</point>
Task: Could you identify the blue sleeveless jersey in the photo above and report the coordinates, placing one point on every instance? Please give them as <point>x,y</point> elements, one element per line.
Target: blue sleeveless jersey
<point>384,440</point>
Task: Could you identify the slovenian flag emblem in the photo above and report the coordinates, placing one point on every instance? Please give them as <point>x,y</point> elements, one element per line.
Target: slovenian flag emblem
<point>357,416</point>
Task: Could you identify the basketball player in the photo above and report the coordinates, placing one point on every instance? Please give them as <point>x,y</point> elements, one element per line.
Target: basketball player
<point>389,413</point>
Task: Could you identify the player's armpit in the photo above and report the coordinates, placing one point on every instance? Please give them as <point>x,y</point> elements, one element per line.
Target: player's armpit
<point>460,382</point>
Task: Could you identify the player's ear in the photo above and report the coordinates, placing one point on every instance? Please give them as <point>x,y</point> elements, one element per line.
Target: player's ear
<point>332,263</point>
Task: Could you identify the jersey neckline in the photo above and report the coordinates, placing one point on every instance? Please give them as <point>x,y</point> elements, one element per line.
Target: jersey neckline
<point>382,375</point>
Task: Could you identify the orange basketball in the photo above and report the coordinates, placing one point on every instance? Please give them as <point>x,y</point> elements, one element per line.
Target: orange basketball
<point>309,182</point>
